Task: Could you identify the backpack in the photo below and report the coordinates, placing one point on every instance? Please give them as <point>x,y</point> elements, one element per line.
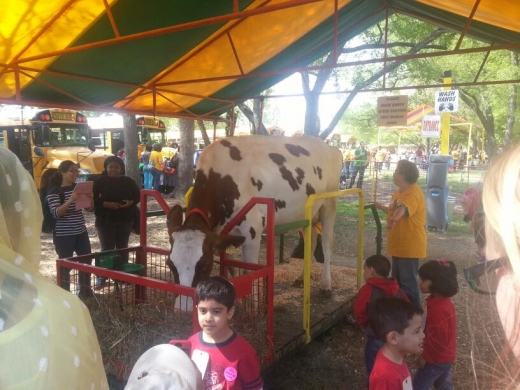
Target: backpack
<point>471,200</point>
<point>376,294</point>
<point>49,223</point>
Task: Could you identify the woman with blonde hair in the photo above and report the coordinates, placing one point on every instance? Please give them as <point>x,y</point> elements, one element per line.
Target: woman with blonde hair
<point>501,199</point>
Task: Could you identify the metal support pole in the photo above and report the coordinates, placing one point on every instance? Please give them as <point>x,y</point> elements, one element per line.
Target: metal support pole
<point>445,118</point>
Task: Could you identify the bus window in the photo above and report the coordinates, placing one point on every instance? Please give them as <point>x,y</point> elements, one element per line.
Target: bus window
<point>68,136</point>
<point>151,130</point>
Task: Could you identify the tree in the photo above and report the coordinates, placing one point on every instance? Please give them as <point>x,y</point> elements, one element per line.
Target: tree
<point>185,169</point>
<point>373,41</point>
<point>254,116</point>
<point>203,131</point>
<point>131,163</point>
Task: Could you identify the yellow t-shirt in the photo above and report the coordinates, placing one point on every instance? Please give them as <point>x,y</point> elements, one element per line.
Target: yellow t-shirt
<point>408,236</point>
<point>156,157</point>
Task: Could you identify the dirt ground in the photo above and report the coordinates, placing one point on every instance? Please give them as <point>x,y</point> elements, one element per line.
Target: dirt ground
<point>335,361</point>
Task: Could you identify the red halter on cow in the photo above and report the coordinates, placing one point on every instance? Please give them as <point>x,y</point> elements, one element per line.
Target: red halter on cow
<point>233,170</point>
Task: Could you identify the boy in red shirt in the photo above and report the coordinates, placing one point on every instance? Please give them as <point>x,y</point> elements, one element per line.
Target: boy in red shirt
<point>398,323</point>
<point>377,285</point>
<point>226,360</point>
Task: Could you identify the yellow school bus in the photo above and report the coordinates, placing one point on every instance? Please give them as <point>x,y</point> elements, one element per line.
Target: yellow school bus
<point>48,138</point>
<point>150,130</point>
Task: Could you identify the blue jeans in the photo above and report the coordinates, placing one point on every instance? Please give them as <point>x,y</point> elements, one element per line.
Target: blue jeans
<point>372,347</point>
<point>355,170</point>
<point>405,271</point>
<point>65,247</point>
<point>156,179</point>
<point>148,178</point>
<point>436,375</point>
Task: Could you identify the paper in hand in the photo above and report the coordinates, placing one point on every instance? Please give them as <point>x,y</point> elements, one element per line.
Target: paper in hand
<point>85,190</point>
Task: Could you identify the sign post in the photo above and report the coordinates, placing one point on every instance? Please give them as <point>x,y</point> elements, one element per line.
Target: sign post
<point>446,102</point>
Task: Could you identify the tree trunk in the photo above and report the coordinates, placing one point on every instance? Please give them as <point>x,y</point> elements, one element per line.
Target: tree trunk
<point>485,115</point>
<point>510,123</point>
<point>185,169</point>
<point>132,163</point>
<point>231,118</point>
<point>252,117</point>
<point>203,131</point>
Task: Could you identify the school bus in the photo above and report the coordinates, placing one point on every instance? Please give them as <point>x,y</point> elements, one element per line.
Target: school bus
<point>48,138</point>
<point>150,130</point>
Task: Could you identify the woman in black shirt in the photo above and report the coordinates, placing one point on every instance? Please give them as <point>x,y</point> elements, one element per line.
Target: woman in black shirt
<point>115,197</point>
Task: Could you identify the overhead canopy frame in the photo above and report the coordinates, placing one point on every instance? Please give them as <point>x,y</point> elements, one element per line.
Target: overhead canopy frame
<point>198,59</point>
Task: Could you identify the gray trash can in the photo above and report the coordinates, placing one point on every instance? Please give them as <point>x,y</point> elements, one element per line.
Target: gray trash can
<point>437,192</point>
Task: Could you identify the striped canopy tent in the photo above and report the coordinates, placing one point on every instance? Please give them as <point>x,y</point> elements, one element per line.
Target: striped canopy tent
<point>196,58</point>
<point>415,117</point>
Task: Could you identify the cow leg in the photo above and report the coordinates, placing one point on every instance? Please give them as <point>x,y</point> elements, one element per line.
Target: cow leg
<point>327,217</point>
<point>252,228</point>
<point>314,241</point>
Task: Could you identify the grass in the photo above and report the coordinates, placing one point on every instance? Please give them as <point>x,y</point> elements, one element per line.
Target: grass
<point>349,209</point>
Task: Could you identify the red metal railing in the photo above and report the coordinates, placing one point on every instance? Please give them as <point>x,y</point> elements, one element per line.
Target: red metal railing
<point>148,300</point>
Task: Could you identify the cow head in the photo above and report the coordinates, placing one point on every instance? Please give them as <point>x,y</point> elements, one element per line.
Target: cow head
<point>192,246</point>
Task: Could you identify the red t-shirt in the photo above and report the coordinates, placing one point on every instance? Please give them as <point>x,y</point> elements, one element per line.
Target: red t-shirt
<point>440,331</point>
<point>387,375</point>
<point>233,364</point>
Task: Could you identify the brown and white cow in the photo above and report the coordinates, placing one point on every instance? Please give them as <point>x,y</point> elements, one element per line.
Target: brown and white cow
<point>233,170</point>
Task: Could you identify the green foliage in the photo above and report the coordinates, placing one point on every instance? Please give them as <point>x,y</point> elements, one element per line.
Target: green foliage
<point>349,209</point>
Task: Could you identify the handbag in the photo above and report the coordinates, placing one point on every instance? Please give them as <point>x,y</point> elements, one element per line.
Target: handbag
<point>151,165</point>
<point>168,170</point>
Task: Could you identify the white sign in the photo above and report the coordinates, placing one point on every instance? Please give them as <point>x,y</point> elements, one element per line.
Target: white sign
<point>446,101</point>
<point>431,126</point>
<point>392,111</point>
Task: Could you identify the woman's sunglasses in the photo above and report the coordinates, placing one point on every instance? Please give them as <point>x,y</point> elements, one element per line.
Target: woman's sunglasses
<point>483,278</point>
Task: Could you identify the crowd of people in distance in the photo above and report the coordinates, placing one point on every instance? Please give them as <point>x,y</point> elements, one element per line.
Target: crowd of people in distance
<point>49,342</point>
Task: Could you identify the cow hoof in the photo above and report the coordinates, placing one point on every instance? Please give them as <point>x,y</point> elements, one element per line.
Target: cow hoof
<point>326,293</point>
<point>298,283</point>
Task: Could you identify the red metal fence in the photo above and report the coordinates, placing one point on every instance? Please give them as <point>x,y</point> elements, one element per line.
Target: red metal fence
<point>133,312</point>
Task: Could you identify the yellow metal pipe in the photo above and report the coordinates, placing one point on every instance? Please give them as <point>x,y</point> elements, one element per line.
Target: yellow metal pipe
<point>307,249</point>
<point>445,119</point>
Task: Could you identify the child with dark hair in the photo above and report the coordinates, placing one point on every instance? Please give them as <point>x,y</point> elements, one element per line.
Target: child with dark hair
<point>398,324</point>
<point>439,279</point>
<point>377,285</point>
<point>226,360</point>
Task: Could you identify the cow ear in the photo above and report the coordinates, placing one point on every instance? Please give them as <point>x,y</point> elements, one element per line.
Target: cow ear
<point>221,242</point>
<point>174,218</point>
